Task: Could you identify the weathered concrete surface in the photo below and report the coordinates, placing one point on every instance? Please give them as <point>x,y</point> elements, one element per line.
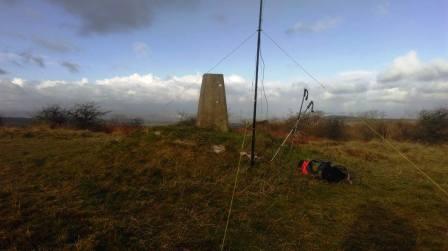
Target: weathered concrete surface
<point>212,108</point>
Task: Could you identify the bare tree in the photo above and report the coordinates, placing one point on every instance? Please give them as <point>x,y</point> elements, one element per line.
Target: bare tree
<point>54,115</point>
<point>86,116</point>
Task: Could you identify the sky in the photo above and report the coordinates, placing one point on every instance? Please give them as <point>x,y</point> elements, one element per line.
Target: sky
<point>145,58</point>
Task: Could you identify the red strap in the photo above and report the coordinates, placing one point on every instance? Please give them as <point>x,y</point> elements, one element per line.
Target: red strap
<point>304,167</point>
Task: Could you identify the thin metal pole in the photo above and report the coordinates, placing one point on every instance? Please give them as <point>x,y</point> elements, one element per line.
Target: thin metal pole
<point>252,155</point>
<point>304,98</point>
<point>294,129</point>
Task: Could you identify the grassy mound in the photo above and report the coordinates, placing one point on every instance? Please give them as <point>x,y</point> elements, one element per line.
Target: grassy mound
<point>164,188</point>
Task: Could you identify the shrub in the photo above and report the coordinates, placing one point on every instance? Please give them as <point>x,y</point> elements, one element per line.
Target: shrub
<point>191,121</point>
<point>311,123</point>
<point>80,116</point>
<point>380,126</point>
<point>137,122</point>
<point>53,115</point>
<point>433,126</point>
<point>332,128</point>
<point>186,119</point>
<point>363,132</point>
<point>376,121</point>
<point>403,130</point>
<point>87,116</point>
<point>314,124</point>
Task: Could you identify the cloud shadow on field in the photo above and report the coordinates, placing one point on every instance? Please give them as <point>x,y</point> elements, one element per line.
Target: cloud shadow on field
<point>379,228</point>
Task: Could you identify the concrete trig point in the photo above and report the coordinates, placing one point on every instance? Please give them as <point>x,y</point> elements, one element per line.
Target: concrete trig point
<point>212,108</point>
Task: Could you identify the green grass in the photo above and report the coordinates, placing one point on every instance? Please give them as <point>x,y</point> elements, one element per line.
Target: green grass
<point>62,189</point>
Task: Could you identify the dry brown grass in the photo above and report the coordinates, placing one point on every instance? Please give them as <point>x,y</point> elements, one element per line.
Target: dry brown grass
<point>64,189</point>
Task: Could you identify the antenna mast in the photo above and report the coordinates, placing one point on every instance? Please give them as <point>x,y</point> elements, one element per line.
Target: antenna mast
<point>252,155</point>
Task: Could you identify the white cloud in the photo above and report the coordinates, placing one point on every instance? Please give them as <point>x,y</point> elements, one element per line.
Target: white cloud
<point>50,83</point>
<point>314,27</point>
<point>140,49</point>
<point>352,82</point>
<point>394,95</point>
<point>83,81</point>
<point>409,68</point>
<point>435,87</point>
<point>53,83</point>
<point>153,88</point>
<point>18,81</point>
<point>411,85</point>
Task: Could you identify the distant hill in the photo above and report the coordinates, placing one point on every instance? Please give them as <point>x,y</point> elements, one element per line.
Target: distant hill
<point>16,121</point>
<point>357,118</point>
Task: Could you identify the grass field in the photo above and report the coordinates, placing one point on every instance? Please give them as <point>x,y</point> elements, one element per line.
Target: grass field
<point>163,188</point>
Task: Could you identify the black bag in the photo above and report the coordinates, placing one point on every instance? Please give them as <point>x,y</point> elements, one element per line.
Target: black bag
<point>333,174</point>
